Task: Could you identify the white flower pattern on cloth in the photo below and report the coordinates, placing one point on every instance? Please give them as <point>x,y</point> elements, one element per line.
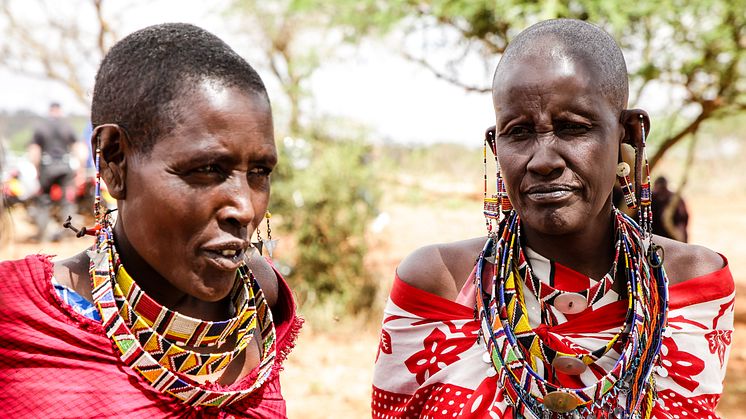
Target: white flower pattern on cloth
<point>430,364</point>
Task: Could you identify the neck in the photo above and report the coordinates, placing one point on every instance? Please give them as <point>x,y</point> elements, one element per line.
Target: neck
<point>162,290</point>
<point>589,251</point>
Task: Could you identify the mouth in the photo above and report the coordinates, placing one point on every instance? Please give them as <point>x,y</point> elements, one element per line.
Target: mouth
<point>226,256</point>
<point>550,193</point>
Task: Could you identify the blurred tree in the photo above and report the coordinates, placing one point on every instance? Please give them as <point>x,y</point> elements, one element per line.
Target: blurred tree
<point>43,39</point>
<point>324,189</point>
<point>695,49</point>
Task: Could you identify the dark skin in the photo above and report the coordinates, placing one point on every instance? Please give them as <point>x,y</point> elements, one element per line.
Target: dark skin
<point>558,142</point>
<point>200,192</point>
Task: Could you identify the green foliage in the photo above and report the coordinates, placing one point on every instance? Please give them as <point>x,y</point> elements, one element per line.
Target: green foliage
<point>324,189</point>
<point>326,194</point>
<point>697,48</point>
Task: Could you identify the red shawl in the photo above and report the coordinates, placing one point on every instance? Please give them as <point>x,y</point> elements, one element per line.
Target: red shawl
<point>57,363</point>
<point>430,363</point>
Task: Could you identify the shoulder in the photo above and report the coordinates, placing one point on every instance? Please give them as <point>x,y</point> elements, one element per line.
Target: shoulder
<point>73,274</point>
<point>31,267</point>
<point>441,269</point>
<point>684,261</point>
<point>265,276</point>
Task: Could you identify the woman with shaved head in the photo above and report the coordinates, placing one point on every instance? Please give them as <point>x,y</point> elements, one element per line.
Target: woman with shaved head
<point>572,309</point>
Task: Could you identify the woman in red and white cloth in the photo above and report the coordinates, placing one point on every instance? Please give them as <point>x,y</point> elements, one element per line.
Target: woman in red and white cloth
<point>572,309</point>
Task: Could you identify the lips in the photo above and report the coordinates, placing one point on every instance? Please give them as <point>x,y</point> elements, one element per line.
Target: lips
<point>226,256</point>
<point>550,193</point>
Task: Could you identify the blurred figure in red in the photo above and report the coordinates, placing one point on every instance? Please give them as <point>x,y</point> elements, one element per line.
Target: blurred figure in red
<point>670,217</point>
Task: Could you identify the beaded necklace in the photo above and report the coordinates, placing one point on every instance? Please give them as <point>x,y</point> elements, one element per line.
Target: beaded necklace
<point>627,390</point>
<point>172,355</point>
<point>181,329</point>
<point>134,354</point>
<point>548,296</point>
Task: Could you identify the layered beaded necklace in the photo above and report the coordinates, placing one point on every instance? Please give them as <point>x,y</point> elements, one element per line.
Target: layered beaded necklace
<point>185,330</point>
<point>516,352</point>
<point>148,341</point>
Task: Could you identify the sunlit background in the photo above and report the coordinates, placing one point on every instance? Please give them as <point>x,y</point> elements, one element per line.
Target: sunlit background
<point>380,109</point>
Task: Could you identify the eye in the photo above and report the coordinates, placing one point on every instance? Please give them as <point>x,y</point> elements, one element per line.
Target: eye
<point>570,128</point>
<point>519,132</point>
<point>259,174</point>
<point>209,170</point>
<point>260,171</point>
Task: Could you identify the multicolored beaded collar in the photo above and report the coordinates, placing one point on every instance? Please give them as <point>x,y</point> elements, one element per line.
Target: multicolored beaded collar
<point>174,356</point>
<point>134,354</point>
<point>185,330</point>
<point>627,390</point>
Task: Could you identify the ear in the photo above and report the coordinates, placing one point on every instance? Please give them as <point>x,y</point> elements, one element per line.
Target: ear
<point>489,136</point>
<point>113,145</point>
<point>633,120</point>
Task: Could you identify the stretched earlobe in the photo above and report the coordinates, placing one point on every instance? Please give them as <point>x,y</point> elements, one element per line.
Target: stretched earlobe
<point>633,134</point>
<point>112,143</point>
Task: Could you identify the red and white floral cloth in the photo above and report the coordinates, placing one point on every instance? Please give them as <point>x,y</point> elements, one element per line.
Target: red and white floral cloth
<point>430,364</point>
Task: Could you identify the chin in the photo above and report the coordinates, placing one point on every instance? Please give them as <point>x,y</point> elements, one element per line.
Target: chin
<point>555,221</point>
<point>214,289</point>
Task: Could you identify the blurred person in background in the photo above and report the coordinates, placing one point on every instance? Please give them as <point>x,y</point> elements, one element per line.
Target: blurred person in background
<point>56,153</point>
<point>670,216</point>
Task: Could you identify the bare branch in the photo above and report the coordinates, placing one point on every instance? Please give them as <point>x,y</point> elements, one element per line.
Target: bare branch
<point>450,79</point>
<point>24,50</point>
<point>692,128</point>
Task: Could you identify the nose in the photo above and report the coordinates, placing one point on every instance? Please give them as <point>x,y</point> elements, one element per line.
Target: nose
<point>236,209</point>
<point>545,159</point>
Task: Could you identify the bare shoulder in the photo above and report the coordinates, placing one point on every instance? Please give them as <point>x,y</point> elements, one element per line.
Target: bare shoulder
<point>684,261</point>
<point>265,276</point>
<point>73,274</point>
<point>441,269</point>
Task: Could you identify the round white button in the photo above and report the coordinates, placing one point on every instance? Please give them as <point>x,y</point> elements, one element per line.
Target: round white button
<point>569,365</point>
<point>570,303</point>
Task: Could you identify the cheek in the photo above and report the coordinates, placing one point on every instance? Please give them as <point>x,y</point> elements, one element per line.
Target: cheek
<point>512,168</point>
<point>162,214</point>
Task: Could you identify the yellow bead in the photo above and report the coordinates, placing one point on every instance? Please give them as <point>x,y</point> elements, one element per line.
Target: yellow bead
<point>268,215</point>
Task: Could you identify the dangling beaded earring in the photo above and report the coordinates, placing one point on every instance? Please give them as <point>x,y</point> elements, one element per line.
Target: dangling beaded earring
<point>492,202</point>
<point>498,205</point>
<point>622,174</point>
<point>99,215</point>
<point>645,214</point>
<point>261,243</point>
<point>269,243</point>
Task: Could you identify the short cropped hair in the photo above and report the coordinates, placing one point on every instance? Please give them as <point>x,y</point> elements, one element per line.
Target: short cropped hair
<point>582,40</point>
<point>143,76</point>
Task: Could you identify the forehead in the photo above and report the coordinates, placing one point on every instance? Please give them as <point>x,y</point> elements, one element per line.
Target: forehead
<point>545,65</point>
<point>551,75</point>
<point>212,115</point>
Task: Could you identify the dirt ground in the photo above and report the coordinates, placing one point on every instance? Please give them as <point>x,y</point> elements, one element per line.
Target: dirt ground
<point>329,373</point>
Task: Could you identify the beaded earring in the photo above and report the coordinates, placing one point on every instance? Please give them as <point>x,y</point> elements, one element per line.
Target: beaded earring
<point>491,202</point>
<point>645,213</point>
<point>99,215</point>
<point>269,243</point>
<point>496,206</point>
<point>261,243</point>
<point>622,174</point>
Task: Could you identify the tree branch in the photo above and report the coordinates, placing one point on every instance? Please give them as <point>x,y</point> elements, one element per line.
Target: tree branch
<point>692,128</point>
<point>445,77</point>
